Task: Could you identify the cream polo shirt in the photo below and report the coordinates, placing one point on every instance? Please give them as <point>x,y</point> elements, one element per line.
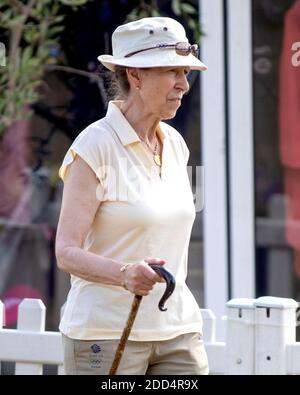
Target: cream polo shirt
<point>141,214</point>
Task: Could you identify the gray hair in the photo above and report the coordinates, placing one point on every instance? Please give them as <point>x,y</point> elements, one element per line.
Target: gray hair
<point>117,83</point>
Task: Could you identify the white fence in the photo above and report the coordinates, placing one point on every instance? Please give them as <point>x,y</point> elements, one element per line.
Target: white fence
<point>261,339</point>
<point>30,346</point>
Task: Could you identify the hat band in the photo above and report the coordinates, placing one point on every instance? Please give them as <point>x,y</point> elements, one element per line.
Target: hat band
<point>181,48</point>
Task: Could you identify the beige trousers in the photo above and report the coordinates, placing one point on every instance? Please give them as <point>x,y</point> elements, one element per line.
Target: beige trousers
<point>183,355</point>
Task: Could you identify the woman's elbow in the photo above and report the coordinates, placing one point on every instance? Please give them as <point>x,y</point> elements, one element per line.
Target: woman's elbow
<point>61,253</point>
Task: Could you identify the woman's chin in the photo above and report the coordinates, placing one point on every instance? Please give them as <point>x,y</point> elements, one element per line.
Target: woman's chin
<point>169,114</point>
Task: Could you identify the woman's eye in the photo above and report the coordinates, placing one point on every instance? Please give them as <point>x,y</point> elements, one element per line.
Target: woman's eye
<point>176,71</point>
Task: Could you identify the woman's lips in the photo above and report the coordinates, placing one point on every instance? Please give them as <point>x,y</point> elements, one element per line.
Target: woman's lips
<point>178,99</point>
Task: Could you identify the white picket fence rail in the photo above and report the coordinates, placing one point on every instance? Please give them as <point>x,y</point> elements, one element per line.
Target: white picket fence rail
<point>260,339</point>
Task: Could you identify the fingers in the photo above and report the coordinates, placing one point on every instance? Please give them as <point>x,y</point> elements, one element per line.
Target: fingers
<point>156,261</point>
<point>138,288</point>
<point>143,291</point>
<point>140,279</point>
<point>154,276</point>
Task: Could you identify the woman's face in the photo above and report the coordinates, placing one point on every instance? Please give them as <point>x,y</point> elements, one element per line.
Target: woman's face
<point>162,89</point>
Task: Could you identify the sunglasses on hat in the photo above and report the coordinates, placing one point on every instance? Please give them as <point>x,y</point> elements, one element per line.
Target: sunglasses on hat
<point>181,48</point>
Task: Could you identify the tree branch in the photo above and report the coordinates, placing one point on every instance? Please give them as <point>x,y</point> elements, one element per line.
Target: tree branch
<point>18,5</point>
<point>15,38</point>
<point>68,69</point>
<point>92,76</point>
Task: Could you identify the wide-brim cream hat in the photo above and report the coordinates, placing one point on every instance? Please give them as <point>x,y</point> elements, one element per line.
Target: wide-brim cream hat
<point>151,42</point>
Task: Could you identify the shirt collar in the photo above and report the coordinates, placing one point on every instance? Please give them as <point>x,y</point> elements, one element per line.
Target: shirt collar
<point>122,127</point>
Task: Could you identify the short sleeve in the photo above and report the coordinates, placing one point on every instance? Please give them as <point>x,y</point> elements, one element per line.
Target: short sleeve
<point>181,147</point>
<point>185,150</point>
<point>88,148</point>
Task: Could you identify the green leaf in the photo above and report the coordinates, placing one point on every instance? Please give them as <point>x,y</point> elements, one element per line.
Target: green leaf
<point>143,14</point>
<point>55,8</point>
<point>155,13</point>
<point>50,42</point>
<point>132,16</point>
<point>31,35</point>
<point>34,62</point>
<point>192,24</point>
<point>43,28</point>
<point>73,2</point>
<point>17,20</point>
<point>175,5</point>
<point>188,9</point>
<point>54,30</point>
<point>6,16</point>
<point>59,18</point>
<point>26,54</point>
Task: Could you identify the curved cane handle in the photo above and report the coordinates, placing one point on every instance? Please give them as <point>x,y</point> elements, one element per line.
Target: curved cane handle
<point>170,284</point>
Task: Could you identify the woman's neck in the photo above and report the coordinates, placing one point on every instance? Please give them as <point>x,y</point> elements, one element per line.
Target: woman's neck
<point>143,122</point>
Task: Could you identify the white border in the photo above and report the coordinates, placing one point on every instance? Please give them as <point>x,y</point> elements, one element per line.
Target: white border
<point>214,159</point>
<point>241,148</point>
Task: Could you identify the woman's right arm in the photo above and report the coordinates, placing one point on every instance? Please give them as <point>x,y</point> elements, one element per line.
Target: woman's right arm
<point>78,210</point>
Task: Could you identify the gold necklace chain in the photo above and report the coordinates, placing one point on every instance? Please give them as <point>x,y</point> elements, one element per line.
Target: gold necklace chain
<point>156,156</point>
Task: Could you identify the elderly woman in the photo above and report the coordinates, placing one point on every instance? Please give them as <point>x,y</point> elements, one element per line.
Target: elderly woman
<point>127,203</point>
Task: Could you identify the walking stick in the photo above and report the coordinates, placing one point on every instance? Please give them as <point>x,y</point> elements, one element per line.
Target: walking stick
<point>170,286</point>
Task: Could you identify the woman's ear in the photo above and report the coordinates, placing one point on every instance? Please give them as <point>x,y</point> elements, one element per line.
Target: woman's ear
<point>134,77</point>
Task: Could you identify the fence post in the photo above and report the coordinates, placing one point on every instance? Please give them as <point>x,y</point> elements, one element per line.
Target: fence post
<point>215,350</point>
<point>31,318</point>
<point>275,328</point>
<point>240,336</point>
<point>209,326</point>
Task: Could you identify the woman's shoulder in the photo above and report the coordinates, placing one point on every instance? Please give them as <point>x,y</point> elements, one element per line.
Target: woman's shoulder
<point>177,139</point>
<point>172,133</point>
<point>169,130</point>
<point>91,144</point>
<point>96,133</point>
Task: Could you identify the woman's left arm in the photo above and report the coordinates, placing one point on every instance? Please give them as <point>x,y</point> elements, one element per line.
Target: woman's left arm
<point>79,206</point>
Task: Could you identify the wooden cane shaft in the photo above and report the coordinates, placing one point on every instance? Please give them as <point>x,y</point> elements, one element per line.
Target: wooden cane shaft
<point>126,332</point>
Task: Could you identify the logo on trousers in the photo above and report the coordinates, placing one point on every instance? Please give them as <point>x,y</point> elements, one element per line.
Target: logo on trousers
<point>95,348</point>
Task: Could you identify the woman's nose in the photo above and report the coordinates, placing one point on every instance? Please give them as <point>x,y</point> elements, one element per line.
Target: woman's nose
<point>183,83</point>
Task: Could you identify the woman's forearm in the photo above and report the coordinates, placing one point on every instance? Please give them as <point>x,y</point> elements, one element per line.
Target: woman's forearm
<point>89,266</point>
